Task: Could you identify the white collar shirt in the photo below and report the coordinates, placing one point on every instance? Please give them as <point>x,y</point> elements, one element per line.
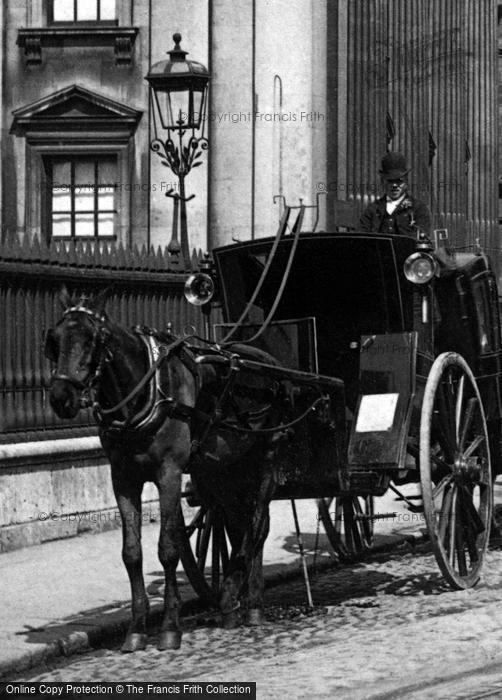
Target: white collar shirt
<point>392,204</point>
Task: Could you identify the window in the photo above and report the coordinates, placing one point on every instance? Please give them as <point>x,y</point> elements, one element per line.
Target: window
<point>82,11</point>
<point>80,166</point>
<point>81,196</point>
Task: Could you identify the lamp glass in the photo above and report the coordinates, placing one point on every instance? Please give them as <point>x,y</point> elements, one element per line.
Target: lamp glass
<point>173,107</point>
<point>198,106</point>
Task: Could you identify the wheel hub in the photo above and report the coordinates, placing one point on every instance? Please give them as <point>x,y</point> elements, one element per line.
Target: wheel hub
<point>467,469</point>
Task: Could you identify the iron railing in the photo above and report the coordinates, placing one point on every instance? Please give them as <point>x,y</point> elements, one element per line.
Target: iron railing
<point>145,288</point>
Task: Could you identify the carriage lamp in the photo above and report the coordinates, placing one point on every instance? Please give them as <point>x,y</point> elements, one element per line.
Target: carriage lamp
<point>199,289</point>
<point>420,268</point>
<point>178,102</point>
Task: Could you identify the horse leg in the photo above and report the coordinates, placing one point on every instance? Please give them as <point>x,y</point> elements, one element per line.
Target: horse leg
<point>260,527</point>
<point>245,577</point>
<point>128,495</point>
<point>235,577</point>
<point>169,485</point>
<point>255,589</point>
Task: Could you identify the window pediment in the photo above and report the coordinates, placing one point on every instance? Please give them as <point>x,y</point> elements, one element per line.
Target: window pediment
<point>75,109</point>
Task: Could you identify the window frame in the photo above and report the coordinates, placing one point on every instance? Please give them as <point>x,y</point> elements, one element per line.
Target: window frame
<point>48,220</point>
<point>38,207</point>
<point>81,22</point>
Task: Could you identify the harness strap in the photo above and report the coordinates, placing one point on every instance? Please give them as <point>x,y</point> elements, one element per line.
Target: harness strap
<point>276,428</point>
<point>164,354</point>
<point>215,418</point>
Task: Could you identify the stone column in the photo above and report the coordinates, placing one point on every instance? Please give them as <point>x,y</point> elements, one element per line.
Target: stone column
<point>231,123</point>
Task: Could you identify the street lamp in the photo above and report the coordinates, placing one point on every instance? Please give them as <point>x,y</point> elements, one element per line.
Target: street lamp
<point>178,99</point>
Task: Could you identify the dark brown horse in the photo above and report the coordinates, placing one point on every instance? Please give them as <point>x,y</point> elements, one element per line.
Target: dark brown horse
<point>161,413</point>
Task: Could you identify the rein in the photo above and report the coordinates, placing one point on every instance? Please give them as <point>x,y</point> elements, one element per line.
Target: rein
<point>164,351</point>
<point>99,319</point>
<point>281,426</point>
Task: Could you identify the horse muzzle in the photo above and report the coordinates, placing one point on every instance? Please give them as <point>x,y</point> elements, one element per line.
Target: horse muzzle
<point>67,396</point>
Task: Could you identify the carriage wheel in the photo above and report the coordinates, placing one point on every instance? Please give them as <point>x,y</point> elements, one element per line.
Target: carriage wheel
<point>348,522</point>
<point>455,470</point>
<point>204,549</point>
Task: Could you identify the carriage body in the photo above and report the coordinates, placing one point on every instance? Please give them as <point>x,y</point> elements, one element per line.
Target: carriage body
<point>348,311</point>
<point>377,363</point>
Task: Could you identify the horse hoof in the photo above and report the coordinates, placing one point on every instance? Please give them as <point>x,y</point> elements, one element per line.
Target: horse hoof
<point>136,641</point>
<point>255,617</point>
<point>231,620</point>
<point>169,640</point>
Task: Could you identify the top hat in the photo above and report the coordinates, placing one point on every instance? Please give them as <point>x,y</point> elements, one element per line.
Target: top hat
<point>394,166</point>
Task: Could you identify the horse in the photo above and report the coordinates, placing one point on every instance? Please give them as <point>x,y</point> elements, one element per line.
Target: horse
<point>161,413</point>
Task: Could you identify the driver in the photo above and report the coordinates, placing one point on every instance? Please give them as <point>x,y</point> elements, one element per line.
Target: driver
<point>397,211</point>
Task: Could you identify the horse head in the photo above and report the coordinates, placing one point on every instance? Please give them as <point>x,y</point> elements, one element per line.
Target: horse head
<point>77,348</point>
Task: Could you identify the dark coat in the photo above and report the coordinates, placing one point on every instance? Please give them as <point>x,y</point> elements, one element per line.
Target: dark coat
<point>375,218</point>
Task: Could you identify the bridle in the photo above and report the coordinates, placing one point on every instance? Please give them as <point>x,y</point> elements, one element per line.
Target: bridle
<point>89,386</point>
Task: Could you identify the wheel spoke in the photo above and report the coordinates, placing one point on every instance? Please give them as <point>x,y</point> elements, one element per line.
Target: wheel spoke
<point>367,527</point>
<point>469,416</point>
<point>348,521</point>
<point>196,523</point>
<point>458,406</point>
<point>459,540</point>
<point>474,445</point>
<point>444,436</point>
<point>471,513</point>
<point>469,527</point>
<point>444,514</point>
<point>338,517</point>
<point>359,522</point>
<point>224,550</point>
<point>446,415</point>
<point>453,527</point>
<point>440,462</point>
<point>215,551</point>
<point>445,481</point>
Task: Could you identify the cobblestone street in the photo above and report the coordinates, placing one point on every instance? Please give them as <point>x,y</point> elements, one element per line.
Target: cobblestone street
<point>385,627</point>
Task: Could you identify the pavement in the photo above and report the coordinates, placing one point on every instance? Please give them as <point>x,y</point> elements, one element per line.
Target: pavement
<point>64,596</point>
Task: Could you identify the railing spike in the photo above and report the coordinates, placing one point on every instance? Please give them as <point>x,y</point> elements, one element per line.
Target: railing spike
<point>73,257</point>
<point>121,259</point>
<point>44,249</point>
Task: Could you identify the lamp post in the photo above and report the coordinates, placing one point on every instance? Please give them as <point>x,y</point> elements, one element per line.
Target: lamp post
<point>178,99</point>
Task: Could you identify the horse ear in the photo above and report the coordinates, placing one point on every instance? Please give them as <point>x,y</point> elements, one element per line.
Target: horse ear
<point>99,300</point>
<point>51,349</point>
<point>64,298</point>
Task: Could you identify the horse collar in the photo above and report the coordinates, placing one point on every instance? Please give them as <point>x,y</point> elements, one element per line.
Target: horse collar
<point>156,400</point>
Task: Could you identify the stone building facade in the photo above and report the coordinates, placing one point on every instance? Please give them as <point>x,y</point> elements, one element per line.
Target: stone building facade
<point>305,97</point>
